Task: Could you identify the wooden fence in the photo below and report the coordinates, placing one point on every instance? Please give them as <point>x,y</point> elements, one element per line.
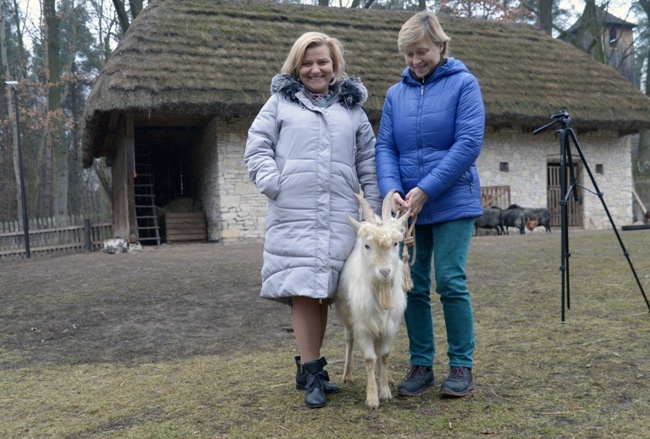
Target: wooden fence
<point>498,196</point>
<point>73,234</point>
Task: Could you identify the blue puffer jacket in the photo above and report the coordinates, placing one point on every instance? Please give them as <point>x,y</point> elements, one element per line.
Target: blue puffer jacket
<point>430,136</point>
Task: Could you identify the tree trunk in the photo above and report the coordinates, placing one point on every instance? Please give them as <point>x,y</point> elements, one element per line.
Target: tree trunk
<point>136,8</point>
<point>642,171</point>
<point>121,15</point>
<point>21,43</point>
<point>594,27</point>
<point>545,14</point>
<point>11,112</point>
<point>57,150</point>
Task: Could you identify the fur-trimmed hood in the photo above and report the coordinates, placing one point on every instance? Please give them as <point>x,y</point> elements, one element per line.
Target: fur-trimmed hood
<point>350,90</point>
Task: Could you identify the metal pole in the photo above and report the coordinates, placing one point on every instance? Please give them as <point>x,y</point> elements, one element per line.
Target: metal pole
<point>21,167</point>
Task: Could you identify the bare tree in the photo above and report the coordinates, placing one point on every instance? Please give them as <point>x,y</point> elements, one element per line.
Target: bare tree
<point>56,163</point>
<point>21,44</point>
<point>506,10</point>
<point>104,25</point>
<point>643,153</point>
<point>120,9</point>
<point>11,111</point>
<point>135,7</point>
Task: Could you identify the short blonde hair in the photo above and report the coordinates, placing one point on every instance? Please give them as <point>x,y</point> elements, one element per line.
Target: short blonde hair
<point>310,40</point>
<point>420,26</point>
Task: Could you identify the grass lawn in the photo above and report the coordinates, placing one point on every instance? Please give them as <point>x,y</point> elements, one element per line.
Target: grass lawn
<point>536,376</point>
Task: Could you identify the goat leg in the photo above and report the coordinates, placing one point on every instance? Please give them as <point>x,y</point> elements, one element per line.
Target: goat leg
<point>384,379</point>
<point>372,395</point>
<point>349,357</point>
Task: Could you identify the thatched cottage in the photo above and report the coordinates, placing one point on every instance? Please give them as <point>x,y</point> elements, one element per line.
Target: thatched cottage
<point>171,109</point>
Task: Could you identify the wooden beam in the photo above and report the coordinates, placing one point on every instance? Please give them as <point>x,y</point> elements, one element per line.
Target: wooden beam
<point>129,144</point>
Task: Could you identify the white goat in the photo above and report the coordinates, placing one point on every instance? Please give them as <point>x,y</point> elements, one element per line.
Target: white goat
<point>370,300</point>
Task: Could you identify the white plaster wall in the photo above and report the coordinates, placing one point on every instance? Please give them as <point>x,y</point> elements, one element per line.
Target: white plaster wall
<point>236,210</point>
<point>615,182</point>
<point>527,156</point>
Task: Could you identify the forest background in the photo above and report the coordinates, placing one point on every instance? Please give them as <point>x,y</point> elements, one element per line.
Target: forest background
<point>52,51</point>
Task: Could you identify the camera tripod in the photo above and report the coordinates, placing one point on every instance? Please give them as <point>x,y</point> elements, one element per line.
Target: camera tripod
<point>566,135</point>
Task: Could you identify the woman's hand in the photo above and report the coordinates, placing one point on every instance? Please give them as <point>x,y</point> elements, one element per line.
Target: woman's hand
<point>398,202</point>
<point>415,199</point>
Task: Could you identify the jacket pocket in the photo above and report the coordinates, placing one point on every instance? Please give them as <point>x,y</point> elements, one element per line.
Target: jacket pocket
<point>468,179</point>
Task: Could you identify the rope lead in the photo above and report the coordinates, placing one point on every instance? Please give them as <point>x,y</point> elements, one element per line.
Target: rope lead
<point>409,240</point>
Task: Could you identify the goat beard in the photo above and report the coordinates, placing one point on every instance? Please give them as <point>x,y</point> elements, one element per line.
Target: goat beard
<point>384,291</point>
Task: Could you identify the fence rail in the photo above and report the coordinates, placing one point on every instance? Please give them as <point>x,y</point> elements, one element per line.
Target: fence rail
<point>47,236</point>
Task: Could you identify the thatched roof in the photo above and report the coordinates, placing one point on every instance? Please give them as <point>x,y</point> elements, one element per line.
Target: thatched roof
<point>207,57</point>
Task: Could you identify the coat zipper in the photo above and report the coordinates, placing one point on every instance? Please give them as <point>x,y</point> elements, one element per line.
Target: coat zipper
<point>419,130</point>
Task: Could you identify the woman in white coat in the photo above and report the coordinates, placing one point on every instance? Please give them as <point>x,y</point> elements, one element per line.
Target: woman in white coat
<point>308,150</point>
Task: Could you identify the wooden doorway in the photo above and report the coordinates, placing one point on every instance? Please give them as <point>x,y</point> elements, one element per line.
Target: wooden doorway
<point>575,208</point>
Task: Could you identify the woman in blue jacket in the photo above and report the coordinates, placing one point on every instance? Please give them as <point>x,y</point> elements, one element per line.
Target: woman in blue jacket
<point>430,136</point>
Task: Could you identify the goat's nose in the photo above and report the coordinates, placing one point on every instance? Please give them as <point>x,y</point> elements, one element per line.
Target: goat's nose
<point>385,272</point>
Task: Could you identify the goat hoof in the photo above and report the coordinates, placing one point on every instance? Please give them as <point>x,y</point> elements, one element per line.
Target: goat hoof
<point>372,404</point>
<point>385,396</point>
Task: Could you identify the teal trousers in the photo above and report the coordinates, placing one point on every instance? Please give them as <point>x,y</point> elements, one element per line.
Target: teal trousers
<point>447,244</point>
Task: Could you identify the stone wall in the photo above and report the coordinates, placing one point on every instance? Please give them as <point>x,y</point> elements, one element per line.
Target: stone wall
<point>206,168</point>
<point>236,210</point>
<point>234,207</point>
<point>528,155</point>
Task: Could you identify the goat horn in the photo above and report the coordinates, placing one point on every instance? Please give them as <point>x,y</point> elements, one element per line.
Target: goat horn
<point>387,206</point>
<point>368,213</point>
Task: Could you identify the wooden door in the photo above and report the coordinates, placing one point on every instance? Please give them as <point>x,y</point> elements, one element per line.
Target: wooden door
<point>574,208</point>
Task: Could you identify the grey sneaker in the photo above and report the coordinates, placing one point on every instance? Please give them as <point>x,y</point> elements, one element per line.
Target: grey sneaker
<point>458,383</point>
<point>417,380</point>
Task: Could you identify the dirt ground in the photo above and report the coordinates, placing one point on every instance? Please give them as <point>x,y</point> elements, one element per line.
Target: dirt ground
<point>171,301</point>
<point>177,301</point>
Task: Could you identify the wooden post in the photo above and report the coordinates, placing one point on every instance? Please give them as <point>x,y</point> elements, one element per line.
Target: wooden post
<point>129,144</point>
<point>87,236</point>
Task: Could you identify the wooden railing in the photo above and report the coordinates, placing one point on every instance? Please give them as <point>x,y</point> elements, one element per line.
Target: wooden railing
<point>73,234</point>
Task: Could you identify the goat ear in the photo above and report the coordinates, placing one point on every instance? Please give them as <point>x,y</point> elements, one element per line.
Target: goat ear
<point>354,223</point>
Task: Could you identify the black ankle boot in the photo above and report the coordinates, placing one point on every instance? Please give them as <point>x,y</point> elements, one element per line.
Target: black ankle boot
<point>301,377</point>
<point>315,397</point>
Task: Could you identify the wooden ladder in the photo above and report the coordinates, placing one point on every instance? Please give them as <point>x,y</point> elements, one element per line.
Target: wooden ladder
<point>145,202</point>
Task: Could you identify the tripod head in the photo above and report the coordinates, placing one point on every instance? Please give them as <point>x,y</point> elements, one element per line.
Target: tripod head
<point>561,116</point>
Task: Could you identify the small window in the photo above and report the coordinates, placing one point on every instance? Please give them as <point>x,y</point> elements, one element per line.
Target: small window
<point>599,168</point>
<point>503,167</point>
<point>612,36</point>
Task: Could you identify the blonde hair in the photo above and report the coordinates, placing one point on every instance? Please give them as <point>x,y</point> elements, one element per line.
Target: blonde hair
<point>310,40</point>
<point>420,26</point>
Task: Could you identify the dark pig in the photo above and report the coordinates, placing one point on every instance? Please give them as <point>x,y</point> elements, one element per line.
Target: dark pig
<point>514,216</point>
<point>492,218</point>
<point>542,215</point>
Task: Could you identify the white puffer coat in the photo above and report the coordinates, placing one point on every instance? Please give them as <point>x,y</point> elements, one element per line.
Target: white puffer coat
<point>309,161</point>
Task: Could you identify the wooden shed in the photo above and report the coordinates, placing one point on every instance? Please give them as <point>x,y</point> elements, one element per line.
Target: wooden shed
<point>616,36</point>
<point>176,99</point>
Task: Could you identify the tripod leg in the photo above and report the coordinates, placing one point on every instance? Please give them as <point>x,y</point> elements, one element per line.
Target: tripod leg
<point>564,259</point>
<point>609,216</point>
<point>567,253</point>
